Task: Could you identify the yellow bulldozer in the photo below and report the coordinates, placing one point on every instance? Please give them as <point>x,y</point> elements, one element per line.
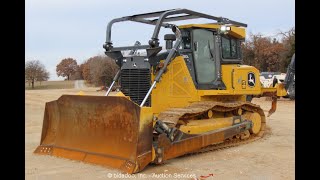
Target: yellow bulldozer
<point>190,96</point>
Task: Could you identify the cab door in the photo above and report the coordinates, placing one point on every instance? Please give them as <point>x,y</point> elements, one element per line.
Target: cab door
<point>203,46</point>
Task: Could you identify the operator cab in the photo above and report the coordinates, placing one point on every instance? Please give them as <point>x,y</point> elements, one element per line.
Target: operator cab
<point>205,48</point>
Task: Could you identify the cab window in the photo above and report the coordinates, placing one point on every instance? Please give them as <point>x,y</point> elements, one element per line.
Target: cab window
<point>229,48</point>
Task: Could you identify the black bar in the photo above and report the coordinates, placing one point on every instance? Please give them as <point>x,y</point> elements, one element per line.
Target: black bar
<point>130,48</point>
<point>108,33</point>
<point>178,18</point>
<point>160,20</point>
<point>151,22</point>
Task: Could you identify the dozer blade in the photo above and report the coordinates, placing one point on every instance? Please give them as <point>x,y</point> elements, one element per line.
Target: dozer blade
<point>111,131</point>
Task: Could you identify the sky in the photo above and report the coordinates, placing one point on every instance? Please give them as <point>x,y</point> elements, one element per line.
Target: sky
<point>57,29</point>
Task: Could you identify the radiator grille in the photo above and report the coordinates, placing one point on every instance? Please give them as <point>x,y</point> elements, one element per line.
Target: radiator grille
<point>136,83</point>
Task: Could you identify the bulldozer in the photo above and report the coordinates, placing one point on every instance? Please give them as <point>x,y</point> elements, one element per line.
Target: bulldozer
<point>188,97</point>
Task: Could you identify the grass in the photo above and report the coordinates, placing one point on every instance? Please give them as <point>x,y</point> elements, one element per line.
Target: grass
<point>51,85</point>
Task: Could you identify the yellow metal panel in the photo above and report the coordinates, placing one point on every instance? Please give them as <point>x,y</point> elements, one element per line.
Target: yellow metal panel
<point>180,85</point>
<point>205,125</point>
<point>281,91</point>
<point>175,89</point>
<point>226,71</point>
<point>240,83</point>
<point>237,32</point>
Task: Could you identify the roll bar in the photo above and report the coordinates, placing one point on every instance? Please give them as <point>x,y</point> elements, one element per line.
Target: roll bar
<point>159,20</point>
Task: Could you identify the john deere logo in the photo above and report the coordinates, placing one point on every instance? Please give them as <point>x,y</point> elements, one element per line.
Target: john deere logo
<point>251,79</point>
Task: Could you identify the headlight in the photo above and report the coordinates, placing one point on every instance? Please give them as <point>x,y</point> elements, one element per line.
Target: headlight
<point>225,29</point>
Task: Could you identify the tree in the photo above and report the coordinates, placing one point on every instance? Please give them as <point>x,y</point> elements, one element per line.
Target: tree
<point>288,39</point>
<point>35,71</point>
<point>99,70</point>
<point>43,76</point>
<point>269,54</point>
<point>265,53</point>
<point>67,67</point>
<point>77,75</point>
<point>85,70</point>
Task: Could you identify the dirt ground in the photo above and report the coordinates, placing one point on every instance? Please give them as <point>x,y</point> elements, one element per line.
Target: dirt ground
<point>269,158</point>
